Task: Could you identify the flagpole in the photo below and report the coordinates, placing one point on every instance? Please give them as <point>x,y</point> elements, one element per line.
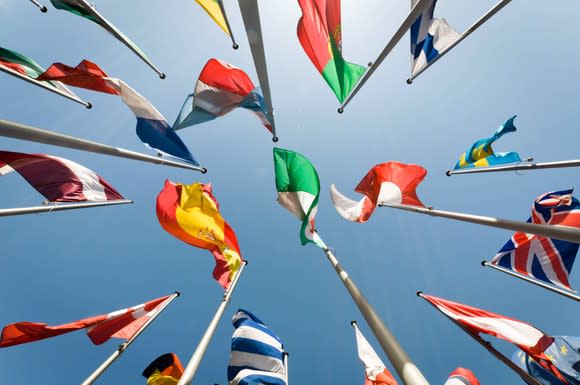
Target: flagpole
<point>195,360</point>
<point>33,134</point>
<point>407,23</point>
<point>516,167</point>
<point>42,8</point>
<point>405,368</point>
<point>38,83</point>
<point>121,349</point>
<point>489,347</point>
<point>120,36</point>
<point>56,207</point>
<point>285,357</point>
<point>565,233</point>
<point>251,17</point>
<point>467,32</point>
<point>544,285</point>
<point>222,8</point>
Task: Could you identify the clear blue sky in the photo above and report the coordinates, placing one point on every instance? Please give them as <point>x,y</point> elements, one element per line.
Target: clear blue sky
<point>60,267</point>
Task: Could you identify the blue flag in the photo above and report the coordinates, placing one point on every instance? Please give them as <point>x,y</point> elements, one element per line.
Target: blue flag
<point>481,154</point>
<point>257,353</point>
<point>564,354</point>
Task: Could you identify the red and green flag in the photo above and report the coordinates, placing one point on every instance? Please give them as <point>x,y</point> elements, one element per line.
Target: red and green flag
<point>320,34</point>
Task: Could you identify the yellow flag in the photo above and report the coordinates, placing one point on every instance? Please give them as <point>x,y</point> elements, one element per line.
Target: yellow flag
<point>213,9</point>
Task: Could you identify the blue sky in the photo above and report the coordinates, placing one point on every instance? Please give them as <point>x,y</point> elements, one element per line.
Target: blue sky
<point>60,267</point>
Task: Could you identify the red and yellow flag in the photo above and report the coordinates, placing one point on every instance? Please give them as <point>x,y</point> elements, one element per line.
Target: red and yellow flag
<point>164,370</point>
<point>191,214</point>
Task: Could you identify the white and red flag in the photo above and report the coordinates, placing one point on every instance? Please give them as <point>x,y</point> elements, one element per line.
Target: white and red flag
<point>390,182</point>
<point>462,376</point>
<point>376,372</point>
<point>58,179</point>
<point>118,324</point>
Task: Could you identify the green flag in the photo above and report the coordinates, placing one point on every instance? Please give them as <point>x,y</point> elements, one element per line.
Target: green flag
<point>298,190</point>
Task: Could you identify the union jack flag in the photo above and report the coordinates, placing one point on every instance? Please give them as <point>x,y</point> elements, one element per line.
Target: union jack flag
<point>546,259</point>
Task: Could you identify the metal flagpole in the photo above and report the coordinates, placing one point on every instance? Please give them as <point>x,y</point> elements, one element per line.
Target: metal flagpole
<point>33,134</point>
<point>46,86</point>
<point>251,16</point>
<point>516,167</point>
<point>57,207</point>
<point>555,289</point>
<point>285,356</point>
<point>489,347</point>
<point>119,35</point>
<point>121,349</point>
<point>222,8</point>
<point>565,233</point>
<point>42,8</point>
<point>467,32</point>
<point>407,23</point>
<point>195,360</point>
<point>405,368</point>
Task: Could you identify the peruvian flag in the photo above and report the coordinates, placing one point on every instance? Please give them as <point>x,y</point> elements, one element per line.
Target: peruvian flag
<point>390,182</point>
<point>58,179</point>
<point>462,376</point>
<point>375,371</point>
<point>118,324</point>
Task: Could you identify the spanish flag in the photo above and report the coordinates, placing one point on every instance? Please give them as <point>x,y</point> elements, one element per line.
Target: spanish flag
<point>164,370</point>
<point>191,214</point>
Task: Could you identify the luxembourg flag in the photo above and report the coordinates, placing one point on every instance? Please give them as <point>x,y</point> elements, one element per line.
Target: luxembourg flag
<point>221,88</point>
<point>429,38</point>
<point>390,182</point>
<point>152,128</point>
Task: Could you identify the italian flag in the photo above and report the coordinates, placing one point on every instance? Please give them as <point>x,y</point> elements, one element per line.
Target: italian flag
<point>298,190</point>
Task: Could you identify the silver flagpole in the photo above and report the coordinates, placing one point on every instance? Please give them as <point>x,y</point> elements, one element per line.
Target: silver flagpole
<point>489,347</point>
<point>195,360</point>
<point>40,6</point>
<point>516,167</point>
<point>222,8</point>
<point>467,32</point>
<point>555,289</point>
<point>119,35</point>
<point>33,134</point>
<point>56,207</point>
<point>44,85</point>
<point>285,355</point>
<point>565,233</point>
<point>405,368</point>
<point>407,23</point>
<point>121,349</point>
<point>251,16</point>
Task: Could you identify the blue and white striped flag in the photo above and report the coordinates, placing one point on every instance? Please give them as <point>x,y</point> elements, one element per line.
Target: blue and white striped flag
<point>429,37</point>
<point>257,353</point>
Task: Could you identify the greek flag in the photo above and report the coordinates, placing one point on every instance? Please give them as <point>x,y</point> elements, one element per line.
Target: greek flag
<point>257,353</point>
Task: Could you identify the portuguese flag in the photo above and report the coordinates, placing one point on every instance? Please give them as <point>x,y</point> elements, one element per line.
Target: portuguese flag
<point>319,33</point>
<point>298,190</point>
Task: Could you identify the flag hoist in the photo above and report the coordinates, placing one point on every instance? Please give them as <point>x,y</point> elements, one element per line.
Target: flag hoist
<point>298,191</point>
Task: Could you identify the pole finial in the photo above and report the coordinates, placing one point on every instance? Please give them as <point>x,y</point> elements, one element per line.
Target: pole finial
<point>353,323</point>
<point>203,170</point>
<point>177,293</point>
<point>419,293</point>
<point>483,263</point>
<point>162,75</point>
<point>340,110</point>
<point>89,105</point>
<point>235,46</point>
<point>43,9</point>
<point>274,139</point>
<point>448,172</point>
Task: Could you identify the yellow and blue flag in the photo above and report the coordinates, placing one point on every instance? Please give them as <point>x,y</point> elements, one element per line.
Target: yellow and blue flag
<point>481,154</point>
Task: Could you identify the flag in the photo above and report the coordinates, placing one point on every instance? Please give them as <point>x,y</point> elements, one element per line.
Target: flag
<point>429,37</point>
<point>191,213</point>
<point>320,34</point>
<point>84,9</point>
<point>164,370</point>
<point>481,154</point>
<point>298,190</point>
<point>118,324</point>
<point>525,336</point>
<point>257,353</point>
<point>564,353</point>
<point>15,62</point>
<point>221,88</point>
<point>214,10</point>
<point>376,373</point>
<point>58,179</point>
<point>390,182</point>
<point>152,128</point>
<point>545,259</point>
<point>462,376</point>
